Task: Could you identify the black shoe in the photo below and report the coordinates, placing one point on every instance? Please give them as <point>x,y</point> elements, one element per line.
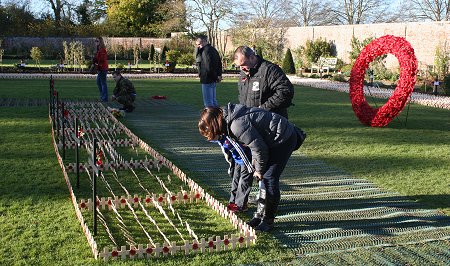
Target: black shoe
<point>254,222</point>
<point>264,227</point>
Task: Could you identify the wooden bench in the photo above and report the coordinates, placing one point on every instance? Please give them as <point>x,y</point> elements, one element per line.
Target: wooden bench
<point>324,64</point>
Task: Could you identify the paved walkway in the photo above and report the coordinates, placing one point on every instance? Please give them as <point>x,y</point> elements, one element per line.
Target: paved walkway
<point>326,215</point>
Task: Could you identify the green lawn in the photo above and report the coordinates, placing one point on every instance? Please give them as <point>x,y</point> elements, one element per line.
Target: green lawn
<point>37,219</point>
<point>47,63</point>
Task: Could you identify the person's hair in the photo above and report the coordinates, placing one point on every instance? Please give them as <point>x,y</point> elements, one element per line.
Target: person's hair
<point>245,50</point>
<point>211,123</point>
<point>101,42</point>
<point>203,38</point>
<point>117,72</point>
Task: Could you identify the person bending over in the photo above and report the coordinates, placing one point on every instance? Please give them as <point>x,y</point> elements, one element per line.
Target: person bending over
<point>271,139</point>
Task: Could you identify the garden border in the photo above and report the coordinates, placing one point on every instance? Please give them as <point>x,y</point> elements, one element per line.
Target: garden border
<point>247,235</point>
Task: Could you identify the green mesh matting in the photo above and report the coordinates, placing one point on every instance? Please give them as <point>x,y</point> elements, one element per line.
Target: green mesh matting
<point>326,216</point>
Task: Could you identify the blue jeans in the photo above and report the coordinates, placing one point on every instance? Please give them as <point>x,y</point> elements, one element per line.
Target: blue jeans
<point>209,94</point>
<point>102,86</point>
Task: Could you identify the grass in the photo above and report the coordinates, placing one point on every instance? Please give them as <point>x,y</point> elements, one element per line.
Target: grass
<point>47,63</point>
<point>37,220</point>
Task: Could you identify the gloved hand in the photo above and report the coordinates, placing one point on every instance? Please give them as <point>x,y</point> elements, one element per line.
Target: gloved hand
<point>258,176</point>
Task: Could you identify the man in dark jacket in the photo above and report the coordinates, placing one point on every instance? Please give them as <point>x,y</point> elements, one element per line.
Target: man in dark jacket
<point>209,70</point>
<point>262,83</point>
<point>124,92</point>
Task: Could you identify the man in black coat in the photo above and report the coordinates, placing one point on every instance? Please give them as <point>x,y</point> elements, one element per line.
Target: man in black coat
<point>209,70</point>
<point>262,83</point>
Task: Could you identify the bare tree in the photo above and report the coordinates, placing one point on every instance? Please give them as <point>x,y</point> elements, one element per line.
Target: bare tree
<point>264,27</point>
<point>359,11</point>
<point>265,13</point>
<point>210,14</point>
<point>62,9</point>
<point>435,10</point>
<point>309,13</point>
<point>268,13</point>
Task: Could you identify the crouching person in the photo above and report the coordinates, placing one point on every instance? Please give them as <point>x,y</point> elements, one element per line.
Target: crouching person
<point>124,92</point>
<point>271,139</point>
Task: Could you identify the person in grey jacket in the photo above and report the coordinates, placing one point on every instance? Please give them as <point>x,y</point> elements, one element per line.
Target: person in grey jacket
<point>209,70</point>
<point>271,139</point>
<point>262,83</point>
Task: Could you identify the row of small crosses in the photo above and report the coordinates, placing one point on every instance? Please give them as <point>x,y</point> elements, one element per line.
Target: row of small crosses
<point>166,249</point>
<point>188,248</point>
<point>135,164</point>
<point>161,199</point>
<point>115,142</point>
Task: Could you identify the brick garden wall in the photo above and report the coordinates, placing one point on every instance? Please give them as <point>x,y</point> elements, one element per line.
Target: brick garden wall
<point>423,36</point>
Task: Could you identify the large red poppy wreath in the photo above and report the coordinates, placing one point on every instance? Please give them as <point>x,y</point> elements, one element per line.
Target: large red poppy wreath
<point>400,48</point>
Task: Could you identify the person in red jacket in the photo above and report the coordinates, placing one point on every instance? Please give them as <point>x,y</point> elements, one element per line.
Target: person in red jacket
<point>101,63</point>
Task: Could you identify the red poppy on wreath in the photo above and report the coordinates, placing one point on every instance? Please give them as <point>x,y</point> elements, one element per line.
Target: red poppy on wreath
<point>403,51</point>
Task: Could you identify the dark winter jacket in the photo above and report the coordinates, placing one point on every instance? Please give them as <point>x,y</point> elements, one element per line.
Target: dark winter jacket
<point>209,64</point>
<point>259,129</point>
<point>267,87</point>
<point>124,87</point>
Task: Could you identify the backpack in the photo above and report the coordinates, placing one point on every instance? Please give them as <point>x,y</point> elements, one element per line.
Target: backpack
<point>301,136</point>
